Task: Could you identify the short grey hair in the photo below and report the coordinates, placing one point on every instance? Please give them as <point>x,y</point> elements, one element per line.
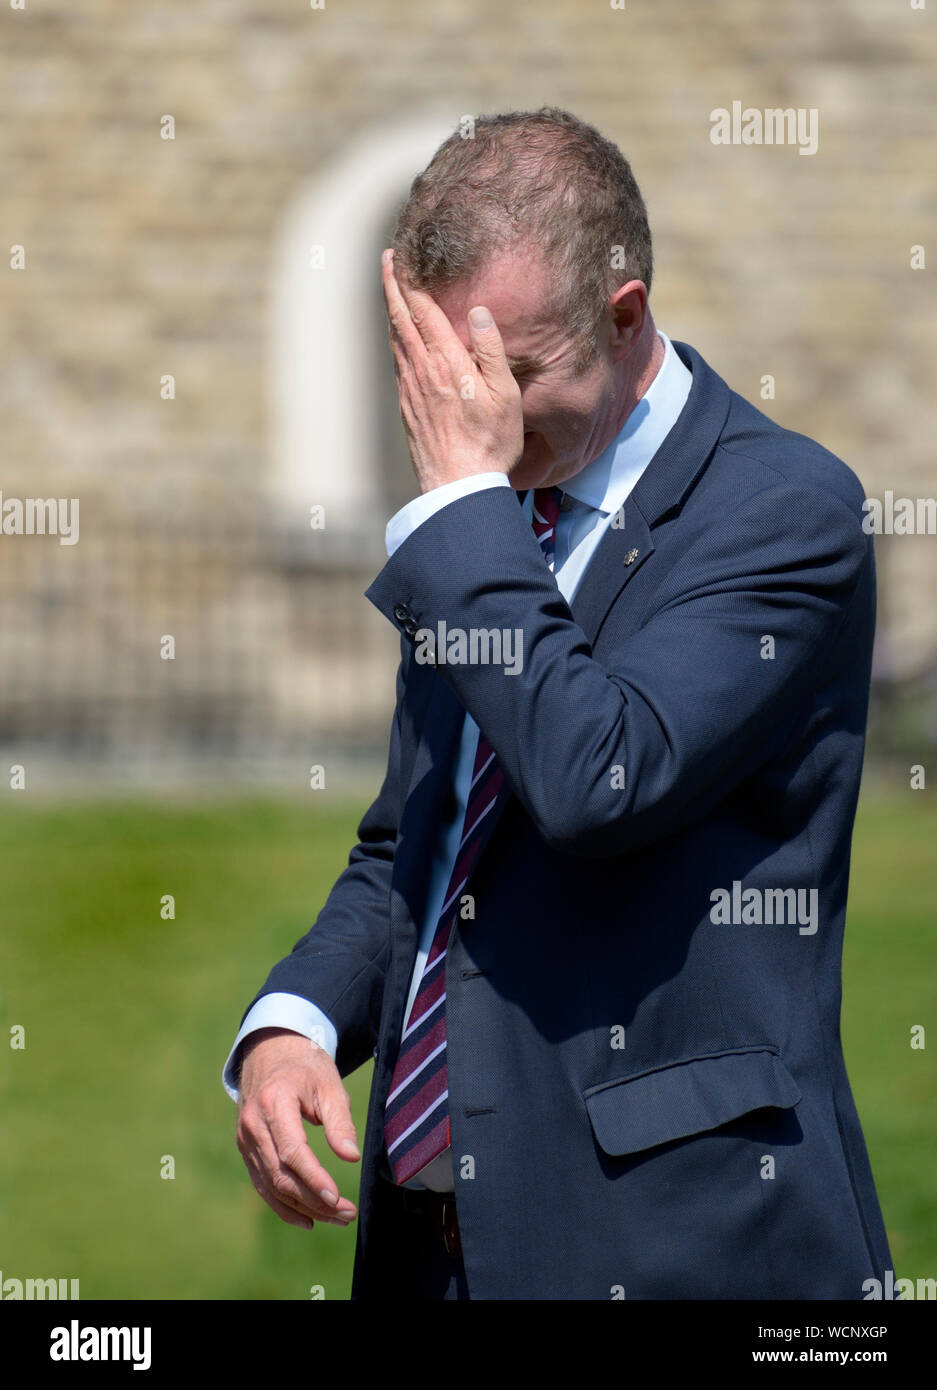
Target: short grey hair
<point>542,179</point>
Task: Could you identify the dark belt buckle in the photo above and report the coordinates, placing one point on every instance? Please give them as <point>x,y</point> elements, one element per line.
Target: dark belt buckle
<point>450,1228</point>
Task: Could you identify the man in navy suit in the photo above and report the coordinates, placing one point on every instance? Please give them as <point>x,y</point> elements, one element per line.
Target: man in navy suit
<point>591,931</point>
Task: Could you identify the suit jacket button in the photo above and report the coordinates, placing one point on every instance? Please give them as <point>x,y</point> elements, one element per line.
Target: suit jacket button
<point>401,611</point>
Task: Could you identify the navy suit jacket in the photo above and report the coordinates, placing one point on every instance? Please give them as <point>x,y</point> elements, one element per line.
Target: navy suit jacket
<point>645,1102</point>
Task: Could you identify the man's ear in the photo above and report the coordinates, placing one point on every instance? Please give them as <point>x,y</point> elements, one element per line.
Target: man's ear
<point>627,312</point>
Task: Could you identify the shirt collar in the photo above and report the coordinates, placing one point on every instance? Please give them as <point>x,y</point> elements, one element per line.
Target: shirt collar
<point>606,481</point>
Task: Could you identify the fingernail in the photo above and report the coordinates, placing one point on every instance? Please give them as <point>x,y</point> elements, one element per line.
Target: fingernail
<point>480,317</point>
<point>385,256</point>
<point>329,1197</point>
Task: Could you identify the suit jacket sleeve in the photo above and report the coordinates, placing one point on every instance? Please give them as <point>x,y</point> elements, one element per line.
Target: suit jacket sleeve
<point>683,708</point>
<point>339,965</point>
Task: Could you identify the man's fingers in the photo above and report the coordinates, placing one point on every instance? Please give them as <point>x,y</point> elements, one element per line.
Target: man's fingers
<point>273,1180</point>
<point>270,1132</point>
<point>259,1179</point>
<point>282,1206</point>
<point>279,1186</point>
<point>423,314</point>
<point>299,1176</point>
<point>398,314</point>
<point>430,321</point>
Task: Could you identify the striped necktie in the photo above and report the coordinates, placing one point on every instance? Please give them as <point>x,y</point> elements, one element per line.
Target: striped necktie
<point>416,1115</point>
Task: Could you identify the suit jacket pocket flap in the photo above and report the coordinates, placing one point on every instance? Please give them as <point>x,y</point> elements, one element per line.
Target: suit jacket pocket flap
<point>689,1097</point>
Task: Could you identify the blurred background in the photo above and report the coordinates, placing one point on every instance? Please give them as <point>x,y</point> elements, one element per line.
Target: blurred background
<point>194,198</point>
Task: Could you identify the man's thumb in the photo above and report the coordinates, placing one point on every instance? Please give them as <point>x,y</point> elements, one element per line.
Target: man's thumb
<point>486,340</point>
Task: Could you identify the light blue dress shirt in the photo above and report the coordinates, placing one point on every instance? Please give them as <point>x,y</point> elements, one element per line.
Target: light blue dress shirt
<point>591,500</point>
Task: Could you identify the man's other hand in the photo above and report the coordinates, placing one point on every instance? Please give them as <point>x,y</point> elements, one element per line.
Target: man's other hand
<point>285,1077</point>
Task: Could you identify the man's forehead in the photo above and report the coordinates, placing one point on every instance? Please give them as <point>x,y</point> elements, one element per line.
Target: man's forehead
<point>519,292</point>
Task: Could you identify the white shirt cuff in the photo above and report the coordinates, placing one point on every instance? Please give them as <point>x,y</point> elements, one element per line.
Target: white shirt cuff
<point>280,1011</point>
<point>403,523</point>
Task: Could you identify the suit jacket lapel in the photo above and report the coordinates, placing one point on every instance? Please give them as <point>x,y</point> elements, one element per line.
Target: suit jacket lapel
<point>619,555</point>
<point>662,486</point>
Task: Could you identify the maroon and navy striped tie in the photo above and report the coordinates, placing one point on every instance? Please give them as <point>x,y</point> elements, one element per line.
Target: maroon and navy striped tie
<point>416,1116</point>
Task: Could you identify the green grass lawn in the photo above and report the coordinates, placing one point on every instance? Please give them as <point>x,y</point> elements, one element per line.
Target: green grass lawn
<point>129,1018</point>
